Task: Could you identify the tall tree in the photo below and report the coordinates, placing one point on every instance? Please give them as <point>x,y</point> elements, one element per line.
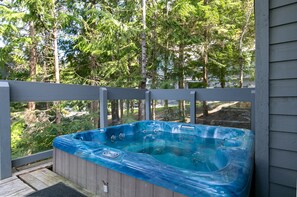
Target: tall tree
<point>32,59</point>
<point>247,9</point>
<point>142,84</point>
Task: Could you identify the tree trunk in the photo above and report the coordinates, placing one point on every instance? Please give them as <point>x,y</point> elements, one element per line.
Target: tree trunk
<point>56,66</point>
<point>205,82</point>
<point>121,109</point>
<point>166,77</point>
<point>166,61</point>
<point>241,38</point>
<point>154,57</point>
<point>241,70</point>
<point>32,60</point>
<point>56,57</point>
<point>205,71</point>
<point>181,81</point>
<point>94,109</point>
<point>115,112</point>
<point>127,107</point>
<point>132,107</point>
<point>142,84</point>
<point>154,109</point>
<point>222,77</point>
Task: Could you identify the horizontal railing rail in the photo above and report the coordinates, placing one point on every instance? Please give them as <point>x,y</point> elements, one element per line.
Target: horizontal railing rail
<point>41,92</point>
<point>19,91</point>
<point>210,94</point>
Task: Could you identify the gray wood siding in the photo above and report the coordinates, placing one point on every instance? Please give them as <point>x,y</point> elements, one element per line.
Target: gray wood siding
<point>280,34</point>
<point>283,70</point>
<point>283,88</point>
<point>277,123</point>
<point>283,159</point>
<point>283,176</point>
<point>283,51</point>
<point>283,140</point>
<point>279,3</point>
<point>280,190</point>
<point>283,15</point>
<point>283,97</point>
<point>283,105</point>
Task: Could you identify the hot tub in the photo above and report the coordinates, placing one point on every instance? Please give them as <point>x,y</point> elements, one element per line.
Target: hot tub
<point>154,158</point>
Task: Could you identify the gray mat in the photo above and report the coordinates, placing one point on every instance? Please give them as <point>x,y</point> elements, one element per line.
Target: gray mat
<point>58,190</point>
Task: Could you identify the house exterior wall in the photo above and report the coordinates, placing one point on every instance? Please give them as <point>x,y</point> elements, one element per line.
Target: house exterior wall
<point>276,98</point>
<point>282,78</point>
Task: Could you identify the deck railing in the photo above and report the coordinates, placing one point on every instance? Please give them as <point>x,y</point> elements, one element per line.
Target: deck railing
<point>18,91</point>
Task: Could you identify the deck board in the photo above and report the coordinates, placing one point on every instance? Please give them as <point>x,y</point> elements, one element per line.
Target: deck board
<point>21,192</point>
<point>50,178</point>
<point>7,180</point>
<point>33,181</point>
<point>14,187</point>
<point>29,181</point>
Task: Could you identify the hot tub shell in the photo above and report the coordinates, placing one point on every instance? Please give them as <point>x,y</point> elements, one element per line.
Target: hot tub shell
<point>80,158</point>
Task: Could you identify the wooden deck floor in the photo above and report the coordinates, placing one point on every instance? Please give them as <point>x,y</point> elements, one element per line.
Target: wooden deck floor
<point>28,181</point>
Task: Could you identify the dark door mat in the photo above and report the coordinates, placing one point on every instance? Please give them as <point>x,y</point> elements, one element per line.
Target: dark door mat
<point>58,190</point>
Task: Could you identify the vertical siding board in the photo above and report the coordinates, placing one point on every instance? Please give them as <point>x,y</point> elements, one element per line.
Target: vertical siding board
<point>82,172</point>
<point>62,164</point>
<point>128,186</point>
<point>58,162</point>
<point>144,189</point>
<point>73,176</point>
<point>91,177</point>
<point>160,191</point>
<point>54,160</point>
<point>114,183</point>
<point>65,164</point>
<point>279,190</point>
<point>102,175</point>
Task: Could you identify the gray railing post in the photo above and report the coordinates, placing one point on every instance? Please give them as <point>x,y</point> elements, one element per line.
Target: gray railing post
<point>5,136</point>
<point>193,107</point>
<point>253,105</point>
<point>103,108</point>
<point>148,105</point>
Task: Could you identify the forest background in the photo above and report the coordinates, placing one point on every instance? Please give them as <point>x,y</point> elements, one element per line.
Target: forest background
<point>119,43</point>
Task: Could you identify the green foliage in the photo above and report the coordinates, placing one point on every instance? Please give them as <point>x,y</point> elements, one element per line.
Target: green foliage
<point>29,139</point>
<point>17,128</point>
<point>99,43</point>
<point>128,119</point>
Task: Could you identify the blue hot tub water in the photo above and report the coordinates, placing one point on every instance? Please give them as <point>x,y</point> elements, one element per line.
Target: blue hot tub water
<point>194,160</point>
